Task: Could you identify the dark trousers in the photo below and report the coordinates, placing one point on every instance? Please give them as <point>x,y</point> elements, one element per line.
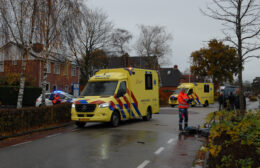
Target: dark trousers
<point>183,113</point>
<point>232,107</point>
<point>221,106</point>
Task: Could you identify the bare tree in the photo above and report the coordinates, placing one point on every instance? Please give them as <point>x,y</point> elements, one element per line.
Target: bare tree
<point>50,26</point>
<point>241,19</point>
<point>92,32</point>
<point>153,42</point>
<point>19,17</point>
<point>4,34</point>
<point>120,40</point>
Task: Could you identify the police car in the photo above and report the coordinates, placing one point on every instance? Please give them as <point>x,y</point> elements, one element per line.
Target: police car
<point>64,97</point>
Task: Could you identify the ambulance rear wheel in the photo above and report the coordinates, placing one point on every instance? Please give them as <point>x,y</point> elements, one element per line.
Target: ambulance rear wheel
<point>206,103</point>
<point>148,115</point>
<point>80,124</point>
<point>115,119</point>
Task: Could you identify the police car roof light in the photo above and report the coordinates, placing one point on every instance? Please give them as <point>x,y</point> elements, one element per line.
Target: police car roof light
<point>58,91</point>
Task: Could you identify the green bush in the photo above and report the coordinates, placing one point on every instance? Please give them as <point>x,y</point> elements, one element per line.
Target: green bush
<point>9,95</point>
<point>13,121</point>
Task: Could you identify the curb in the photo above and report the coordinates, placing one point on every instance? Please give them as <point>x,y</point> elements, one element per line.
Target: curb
<point>33,131</point>
<point>205,160</point>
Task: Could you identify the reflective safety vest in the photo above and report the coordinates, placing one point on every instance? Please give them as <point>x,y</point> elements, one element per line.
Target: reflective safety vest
<point>56,99</point>
<point>183,99</point>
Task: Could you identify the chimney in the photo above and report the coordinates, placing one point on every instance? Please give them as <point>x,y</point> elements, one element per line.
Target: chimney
<point>175,67</point>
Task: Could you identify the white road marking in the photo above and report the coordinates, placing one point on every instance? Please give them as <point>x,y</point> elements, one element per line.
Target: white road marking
<point>145,163</point>
<point>159,150</point>
<point>53,135</point>
<point>171,140</point>
<point>22,143</point>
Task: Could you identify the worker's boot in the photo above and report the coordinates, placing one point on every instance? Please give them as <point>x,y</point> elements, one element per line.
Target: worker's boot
<point>180,127</point>
<point>185,126</point>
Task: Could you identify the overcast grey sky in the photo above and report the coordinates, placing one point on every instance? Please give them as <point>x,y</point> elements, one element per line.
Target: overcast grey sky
<point>191,30</point>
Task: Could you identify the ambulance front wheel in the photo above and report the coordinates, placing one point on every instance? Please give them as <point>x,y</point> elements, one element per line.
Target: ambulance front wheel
<point>148,115</point>
<point>80,124</point>
<point>115,119</point>
<point>172,105</point>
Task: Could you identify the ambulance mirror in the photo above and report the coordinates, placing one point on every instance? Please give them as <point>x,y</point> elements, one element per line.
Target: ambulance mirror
<point>190,92</point>
<point>122,89</point>
<point>120,93</point>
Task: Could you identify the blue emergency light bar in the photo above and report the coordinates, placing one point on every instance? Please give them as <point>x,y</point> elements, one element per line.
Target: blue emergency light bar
<point>58,91</point>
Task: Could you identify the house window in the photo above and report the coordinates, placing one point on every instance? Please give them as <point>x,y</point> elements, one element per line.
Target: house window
<point>54,88</point>
<point>73,71</point>
<point>57,69</point>
<point>14,62</point>
<point>47,87</point>
<point>2,68</point>
<point>66,88</point>
<point>65,69</point>
<point>48,66</point>
<point>148,81</point>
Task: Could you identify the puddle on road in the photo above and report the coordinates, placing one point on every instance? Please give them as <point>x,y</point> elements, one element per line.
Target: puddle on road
<point>110,141</point>
<point>193,136</point>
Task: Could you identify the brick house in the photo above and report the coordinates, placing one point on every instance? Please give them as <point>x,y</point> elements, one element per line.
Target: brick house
<point>189,78</point>
<point>61,72</point>
<point>170,79</point>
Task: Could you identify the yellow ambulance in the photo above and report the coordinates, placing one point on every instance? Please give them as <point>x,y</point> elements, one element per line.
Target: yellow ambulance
<point>114,95</point>
<point>199,94</point>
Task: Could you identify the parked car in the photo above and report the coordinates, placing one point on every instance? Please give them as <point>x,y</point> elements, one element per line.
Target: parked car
<point>259,100</point>
<point>64,97</point>
<point>48,102</point>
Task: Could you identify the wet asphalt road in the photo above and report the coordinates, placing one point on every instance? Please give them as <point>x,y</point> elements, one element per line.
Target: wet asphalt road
<point>154,144</point>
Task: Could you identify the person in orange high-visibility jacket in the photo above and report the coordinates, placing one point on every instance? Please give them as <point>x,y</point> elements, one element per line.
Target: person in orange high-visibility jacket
<point>56,99</point>
<point>183,100</point>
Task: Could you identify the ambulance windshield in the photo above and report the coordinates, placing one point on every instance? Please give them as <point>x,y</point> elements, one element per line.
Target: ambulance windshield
<point>178,90</point>
<point>102,88</point>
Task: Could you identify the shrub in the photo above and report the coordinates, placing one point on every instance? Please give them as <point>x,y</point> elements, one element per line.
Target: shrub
<point>9,95</point>
<point>234,140</point>
<point>13,121</point>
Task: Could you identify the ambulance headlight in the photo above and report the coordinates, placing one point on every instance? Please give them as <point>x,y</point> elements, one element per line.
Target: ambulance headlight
<point>104,105</point>
<point>73,105</point>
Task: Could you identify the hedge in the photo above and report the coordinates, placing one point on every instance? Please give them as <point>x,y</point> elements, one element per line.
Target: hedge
<point>9,95</point>
<point>164,97</point>
<point>13,121</point>
<point>234,140</point>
